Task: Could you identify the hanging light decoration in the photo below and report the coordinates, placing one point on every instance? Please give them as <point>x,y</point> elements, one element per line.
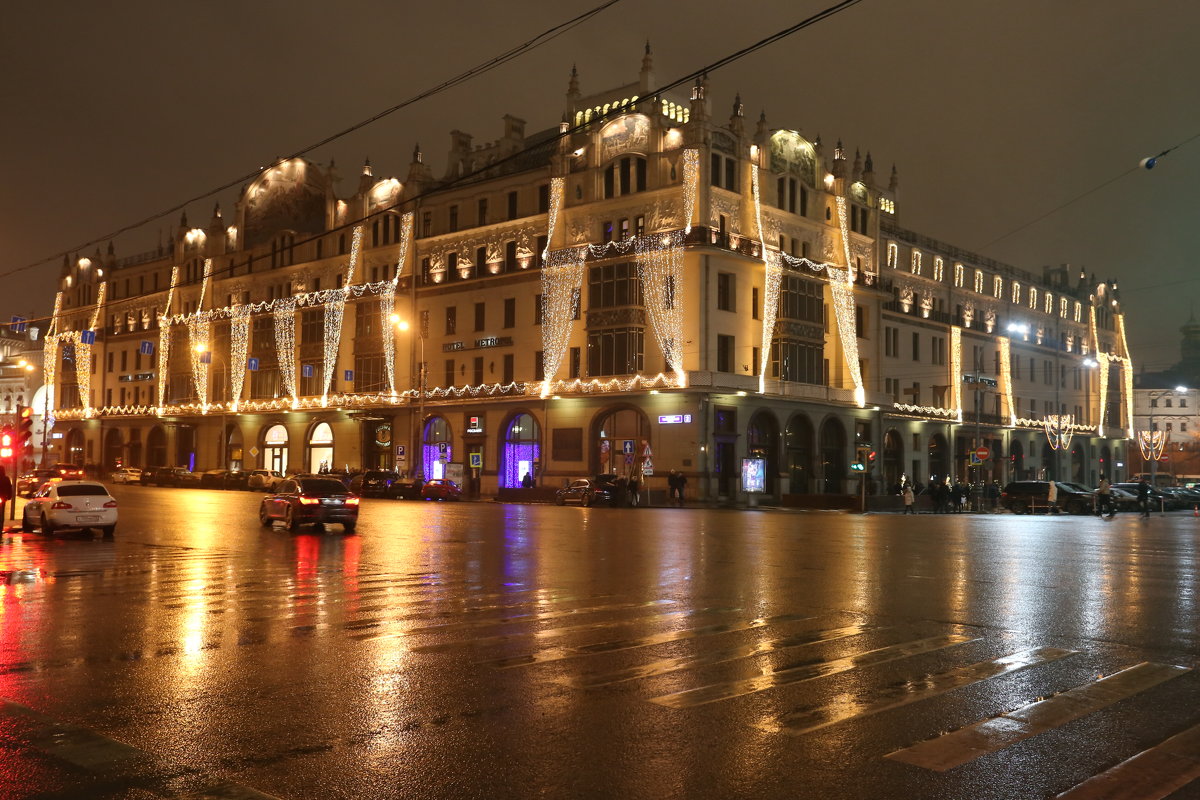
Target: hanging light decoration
<point>1152,444</point>
<point>1059,430</point>
<point>1126,373</point>
<point>50,359</point>
<point>660,270</point>
<point>239,345</point>
<point>562,283</point>
<point>285,345</point>
<point>772,280</point>
<point>842,288</point>
<point>335,309</point>
<point>199,327</point>
<point>387,302</point>
<point>956,370</point>
<point>164,341</point>
<point>1006,385</point>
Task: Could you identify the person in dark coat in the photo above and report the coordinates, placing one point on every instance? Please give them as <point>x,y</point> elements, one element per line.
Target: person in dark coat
<point>1143,496</point>
<point>6,494</point>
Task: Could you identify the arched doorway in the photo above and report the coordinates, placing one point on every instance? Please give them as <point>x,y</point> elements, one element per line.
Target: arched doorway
<point>833,456</point>
<point>156,447</point>
<point>275,449</point>
<point>762,441</point>
<point>939,459</point>
<point>522,450</point>
<point>618,434</point>
<point>113,452</point>
<point>798,439</point>
<point>234,449</point>
<point>1016,457</point>
<point>320,448</point>
<point>893,460</point>
<point>74,447</point>
<point>437,449</point>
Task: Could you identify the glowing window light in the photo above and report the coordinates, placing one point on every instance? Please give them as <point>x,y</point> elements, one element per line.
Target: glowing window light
<point>1078,311</point>
<point>1033,297</point>
<point>915,266</point>
<point>979,281</point>
<point>959,275</point>
<point>1049,303</point>
<point>1016,292</point>
<point>997,286</point>
<point>893,254</point>
<point>1063,305</point>
<point>939,268</point>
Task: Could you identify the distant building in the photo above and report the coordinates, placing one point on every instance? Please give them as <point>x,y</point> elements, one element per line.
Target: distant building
<point>641,288</point>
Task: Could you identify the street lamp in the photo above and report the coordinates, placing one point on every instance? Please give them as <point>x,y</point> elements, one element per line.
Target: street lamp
<point>418,455</point>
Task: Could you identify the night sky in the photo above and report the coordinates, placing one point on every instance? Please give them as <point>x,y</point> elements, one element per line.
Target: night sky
<point>994,113</point>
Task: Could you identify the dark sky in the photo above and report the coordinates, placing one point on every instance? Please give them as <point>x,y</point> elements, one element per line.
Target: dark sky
<point>995,113</point>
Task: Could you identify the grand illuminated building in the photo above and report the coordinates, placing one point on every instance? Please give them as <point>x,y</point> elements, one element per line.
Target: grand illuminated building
<point>640,288</point>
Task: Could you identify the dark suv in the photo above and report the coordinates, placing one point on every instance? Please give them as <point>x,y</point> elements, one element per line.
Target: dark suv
<point>1024,497</point>
<point>373,483</point>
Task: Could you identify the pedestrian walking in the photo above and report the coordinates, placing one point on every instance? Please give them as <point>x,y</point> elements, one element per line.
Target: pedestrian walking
<point>635,497</point>
<point>993,495</point>
<point>6,494</point>
<point>1143,496</point>
<point>909,498</point>
<point>1104,504</point>
<point>956,498</point>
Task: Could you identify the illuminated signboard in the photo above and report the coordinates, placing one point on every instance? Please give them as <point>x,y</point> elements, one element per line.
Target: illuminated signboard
<point>674,419</point>
<point>474,425</point>
<point>754,475</point>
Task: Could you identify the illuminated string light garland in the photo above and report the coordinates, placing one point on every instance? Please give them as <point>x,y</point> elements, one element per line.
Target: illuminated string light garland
<point>335,313</point>
<point>285,345</point>
<point>1059,430</point>
<point>239,346</point>
<point>842,289</point>
<point>387,302</point>
<point>1152,444</point>
<point>1126,372</point>
<point>660,267</point>
<point>199,328</point>
<point>956,370</point>
<point>772,280</point>
<point>50,360</point>
<point>1006,384</point>
<point>164,341</point>
<point>562,276</point>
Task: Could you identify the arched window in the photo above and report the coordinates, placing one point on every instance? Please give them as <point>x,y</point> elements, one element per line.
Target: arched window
<point>275,449</point>
<point>320,448</point>
<point>522,449</point>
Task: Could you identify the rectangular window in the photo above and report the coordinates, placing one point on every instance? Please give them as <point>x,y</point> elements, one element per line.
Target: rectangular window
<point>725,291</point>
<point>451,320</point>
<point>507,378</point>
<point>754,303</point>
<point>510,312</point>
<point>480,316</point>
<point>539,366</point>
<point>725,353</point>
<point>369,373</point>
<point>450,373</point>
<point>916,347</point>
<point>543,198</point>
<point>453,218</point>
<point>478,365</point>
<point>483,211</point>
<point>512,205</point>
<point>615,351</point>
<point>537,309</point>
<point>614,285</point>
<point>860,323</point>
<point>575,363</point>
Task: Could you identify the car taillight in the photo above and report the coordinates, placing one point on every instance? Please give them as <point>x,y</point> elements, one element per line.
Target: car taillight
<point>309,501</point>
<point>351,501</point>
<point>61,505</point>
<point>111,504</point>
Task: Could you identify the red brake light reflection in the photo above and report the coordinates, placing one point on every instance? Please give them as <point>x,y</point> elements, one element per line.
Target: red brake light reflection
<point>60,505</point>
<point>351,501</point>
<point>111,504</point>
<point>309,501</point>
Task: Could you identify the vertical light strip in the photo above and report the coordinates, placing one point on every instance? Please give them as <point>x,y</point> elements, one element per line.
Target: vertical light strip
<point>164,343</point>
<point>659,259</point>
<point>83,355</point>
<point>1006,386</point>
<point>285,345</point>
<point>772,278</point>
<point>956,370</point>
<point>335,314</point>
<point>1126,372</point>
<point>562,274</point>
<point>843,306</point>
<point>50,360</point>
<point>387,302</point>
<point>239,341</point>
<point>208,270</point>
<point>198,326</point>
<point>1102,360</point>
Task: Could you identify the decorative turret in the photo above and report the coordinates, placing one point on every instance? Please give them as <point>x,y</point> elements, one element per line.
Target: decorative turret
<point>419,175</point>
<point>366,178</point>
<point>646,78</point>
<point>573,94</point>
<point>856,174</point>
<point>894,181</point>
<point>762,131</point>
<point>736,119</point>
<point>216,222</point>
<point>699,104</point>
<point>839,162</point>
<point>868,175</point>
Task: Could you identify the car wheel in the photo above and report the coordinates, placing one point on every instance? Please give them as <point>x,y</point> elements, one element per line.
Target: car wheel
<point>558,500</point>
<point>587,500</point>
<point>263,516</point>
<point>289,520</point>
<point>47,528</point>
<point>107,531</point>
<point>349,526</point>
<point>26,526</point>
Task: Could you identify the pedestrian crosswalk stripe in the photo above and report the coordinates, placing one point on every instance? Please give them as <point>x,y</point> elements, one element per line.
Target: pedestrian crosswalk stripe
<point>988,736</point>
<point>561,653</point>
<point>773,678</point>
<point>1150,775</point>
<point>589,680</point>
<point>550,633</point>
<point>536,616</point>
<point>848,706</point>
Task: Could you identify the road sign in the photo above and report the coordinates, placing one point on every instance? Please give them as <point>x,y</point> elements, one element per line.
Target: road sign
<point>254,451</point>
<point>400,450</point>
<point>627,447</point>
<point>982,453</point>
<point>476,460</point>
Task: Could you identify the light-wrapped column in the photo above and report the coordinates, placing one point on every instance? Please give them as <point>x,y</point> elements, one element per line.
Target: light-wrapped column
<point>956,371</point>
<point>1006,386</point>
<point>772,280</point>
<point>285,345</point>
<point>198,327</point>
<point>239,344</point>
<point>843,307</point>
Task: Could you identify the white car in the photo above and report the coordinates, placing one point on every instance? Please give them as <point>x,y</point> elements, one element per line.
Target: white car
<point>127,475</point>
<point>264,480</point>
<point>71,504</point>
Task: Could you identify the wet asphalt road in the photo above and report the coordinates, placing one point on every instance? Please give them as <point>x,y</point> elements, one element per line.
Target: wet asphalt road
<point>501,651</point>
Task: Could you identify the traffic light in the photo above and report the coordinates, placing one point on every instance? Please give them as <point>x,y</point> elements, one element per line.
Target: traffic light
<point>25,430</point>
<point>857,466</point>
<point>864,458</point>
<point>6,443</point>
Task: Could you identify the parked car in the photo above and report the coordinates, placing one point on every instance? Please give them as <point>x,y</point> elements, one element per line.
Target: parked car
<point>1158,499</point>
<point>69,471</point>
<point>71,504</point>
<point>223,479</point>
<point>301,501</point>
<point>373,483</point>
<point>126,475</point>
<point>441,489</point>
<point>30,482</point>
<point>402,489</point>
<point>1125,501</point>
<point>588,492</point>
<point>264,480</point>
<point>155,476</point>
<point>1024,497</point>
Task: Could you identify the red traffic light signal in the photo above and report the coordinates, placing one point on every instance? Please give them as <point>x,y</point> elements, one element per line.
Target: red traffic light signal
<point>6,443</point>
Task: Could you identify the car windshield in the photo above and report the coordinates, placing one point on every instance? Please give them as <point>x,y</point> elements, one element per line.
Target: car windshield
<point>321,486</point>
<point>81,490</point>
<point>1075,487</point>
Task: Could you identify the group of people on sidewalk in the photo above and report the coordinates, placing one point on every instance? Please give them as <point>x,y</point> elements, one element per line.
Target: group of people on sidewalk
<point>948,497</point>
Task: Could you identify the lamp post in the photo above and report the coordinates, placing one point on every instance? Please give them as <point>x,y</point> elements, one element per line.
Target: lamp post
<point>418,455</point>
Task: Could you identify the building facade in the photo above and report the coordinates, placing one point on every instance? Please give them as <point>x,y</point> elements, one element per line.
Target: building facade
<point>642,288</point>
